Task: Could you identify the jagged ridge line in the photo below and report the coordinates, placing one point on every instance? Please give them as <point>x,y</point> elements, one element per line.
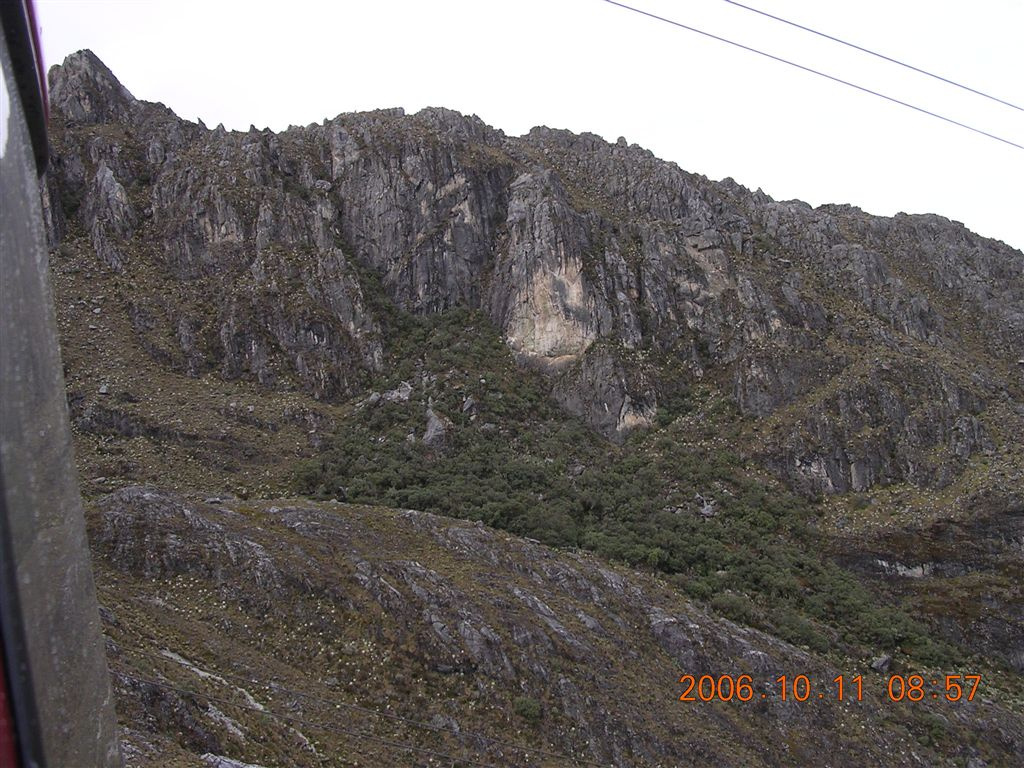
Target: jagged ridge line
<point>392,716</point>
<point>813,71</point>
<point>875,53</point>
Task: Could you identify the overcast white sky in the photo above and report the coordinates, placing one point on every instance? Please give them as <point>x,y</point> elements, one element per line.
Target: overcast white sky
<point>586,65</point>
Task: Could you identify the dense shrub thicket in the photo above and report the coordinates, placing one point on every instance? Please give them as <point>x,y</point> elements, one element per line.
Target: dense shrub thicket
<point>516,461</point>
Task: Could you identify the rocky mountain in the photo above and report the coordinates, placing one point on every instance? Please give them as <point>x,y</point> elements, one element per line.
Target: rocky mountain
<point>878,350</point>
<point>806,420</point>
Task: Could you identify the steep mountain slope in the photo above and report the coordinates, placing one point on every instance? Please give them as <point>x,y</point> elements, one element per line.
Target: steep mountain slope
<point>873,350</point>
<point>807,420</point>
<point>293,634</point>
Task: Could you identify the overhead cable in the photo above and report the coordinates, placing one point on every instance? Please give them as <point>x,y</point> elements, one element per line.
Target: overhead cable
<point>876,54</point>
<point>827,76</point>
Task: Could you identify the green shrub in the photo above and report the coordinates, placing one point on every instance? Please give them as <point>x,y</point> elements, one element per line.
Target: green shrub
<point>735,606</point>
<point>527,708</point>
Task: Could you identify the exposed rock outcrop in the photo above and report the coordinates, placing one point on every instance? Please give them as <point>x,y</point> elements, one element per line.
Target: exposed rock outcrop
<point>871,348</point>
<point>484,647</point>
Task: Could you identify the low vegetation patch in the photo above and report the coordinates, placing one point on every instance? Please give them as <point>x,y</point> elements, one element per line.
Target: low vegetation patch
<point>512,458</point>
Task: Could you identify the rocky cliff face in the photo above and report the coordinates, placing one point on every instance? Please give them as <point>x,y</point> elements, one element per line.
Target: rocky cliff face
<point>870,350</point>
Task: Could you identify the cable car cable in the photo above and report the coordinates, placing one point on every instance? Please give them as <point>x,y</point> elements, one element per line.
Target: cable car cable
<point>827,76</point>
<point>876,54</point>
